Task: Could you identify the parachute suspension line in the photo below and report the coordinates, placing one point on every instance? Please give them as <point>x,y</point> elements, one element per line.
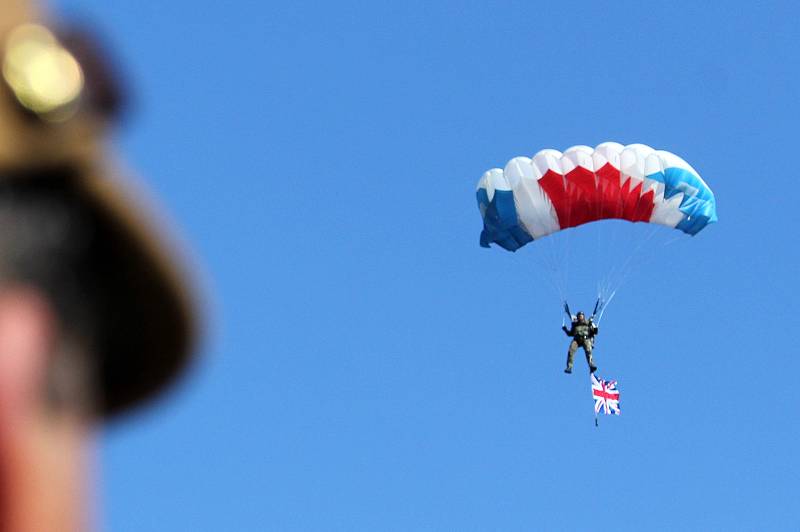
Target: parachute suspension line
<point>599,255</point>
<point>609,263</point>
<point>546,263</point>
<point>555,263</point>
<point>613,272</point>
<point>604,306</point>
<point>621,272</point>
<point>565,259</point>
<point>676,238</point>
<point>656,230</point>
<point>567,240</point>
<point>604,281</point>
<point>623,269</point>
<point>543,261</point>
<point>560,259</point>
<point>550,259</point>
<point>547,259</point>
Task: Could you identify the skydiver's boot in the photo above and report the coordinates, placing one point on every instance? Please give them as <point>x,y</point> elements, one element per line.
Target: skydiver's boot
<point>568,370</point>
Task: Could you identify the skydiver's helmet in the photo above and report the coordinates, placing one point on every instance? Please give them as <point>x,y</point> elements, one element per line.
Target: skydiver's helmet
<point>581,316</point>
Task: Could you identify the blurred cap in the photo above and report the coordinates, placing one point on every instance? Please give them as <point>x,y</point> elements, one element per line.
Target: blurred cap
<point>57,99</point>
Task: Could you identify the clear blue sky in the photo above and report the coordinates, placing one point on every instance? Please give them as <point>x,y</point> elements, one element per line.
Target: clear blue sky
<point>370,367</point>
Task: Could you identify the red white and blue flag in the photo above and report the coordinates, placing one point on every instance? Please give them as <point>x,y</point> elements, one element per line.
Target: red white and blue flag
<point>606,396</point>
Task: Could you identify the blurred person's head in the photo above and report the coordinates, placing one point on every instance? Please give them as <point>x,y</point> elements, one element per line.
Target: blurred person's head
<point>94,315</point>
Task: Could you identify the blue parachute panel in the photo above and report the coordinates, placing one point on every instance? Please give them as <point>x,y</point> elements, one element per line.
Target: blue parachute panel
<point>500,221</point>
<point>698,203</point>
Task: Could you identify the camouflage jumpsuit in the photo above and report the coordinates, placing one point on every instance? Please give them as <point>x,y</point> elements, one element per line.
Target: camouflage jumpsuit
<point>583,334</point>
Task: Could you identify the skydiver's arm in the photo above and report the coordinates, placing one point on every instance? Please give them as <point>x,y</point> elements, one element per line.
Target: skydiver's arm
<point>568,332</point>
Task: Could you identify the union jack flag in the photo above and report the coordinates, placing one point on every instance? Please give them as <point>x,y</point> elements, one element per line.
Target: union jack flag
<point>606,396</point>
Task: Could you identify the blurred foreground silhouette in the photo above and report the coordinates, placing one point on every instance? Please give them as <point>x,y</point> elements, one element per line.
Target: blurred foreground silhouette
<point>95,314</point>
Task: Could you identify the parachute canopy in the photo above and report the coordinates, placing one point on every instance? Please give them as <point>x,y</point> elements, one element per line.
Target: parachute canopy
<point>532,198</point>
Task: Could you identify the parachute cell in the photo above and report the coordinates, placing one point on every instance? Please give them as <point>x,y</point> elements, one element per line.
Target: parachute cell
<point>532,198</point>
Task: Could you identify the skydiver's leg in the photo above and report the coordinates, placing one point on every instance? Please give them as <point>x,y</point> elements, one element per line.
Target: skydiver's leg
<point>587,348</point>
<point>573,346</point>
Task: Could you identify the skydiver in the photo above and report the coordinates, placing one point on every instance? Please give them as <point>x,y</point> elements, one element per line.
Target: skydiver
<point>582,332</point>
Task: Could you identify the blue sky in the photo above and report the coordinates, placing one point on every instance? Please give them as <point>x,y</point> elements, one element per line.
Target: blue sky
<point>368,365</point>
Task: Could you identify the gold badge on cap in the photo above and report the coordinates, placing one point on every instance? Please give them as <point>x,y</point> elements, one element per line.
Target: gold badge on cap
<point>44,76</point>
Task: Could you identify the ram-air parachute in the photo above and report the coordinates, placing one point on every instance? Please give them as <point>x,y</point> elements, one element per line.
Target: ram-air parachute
<point>535,197</point>
<point>532,198</point>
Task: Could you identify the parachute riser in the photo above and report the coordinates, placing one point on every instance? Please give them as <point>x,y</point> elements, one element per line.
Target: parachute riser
<point>568,313</point>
